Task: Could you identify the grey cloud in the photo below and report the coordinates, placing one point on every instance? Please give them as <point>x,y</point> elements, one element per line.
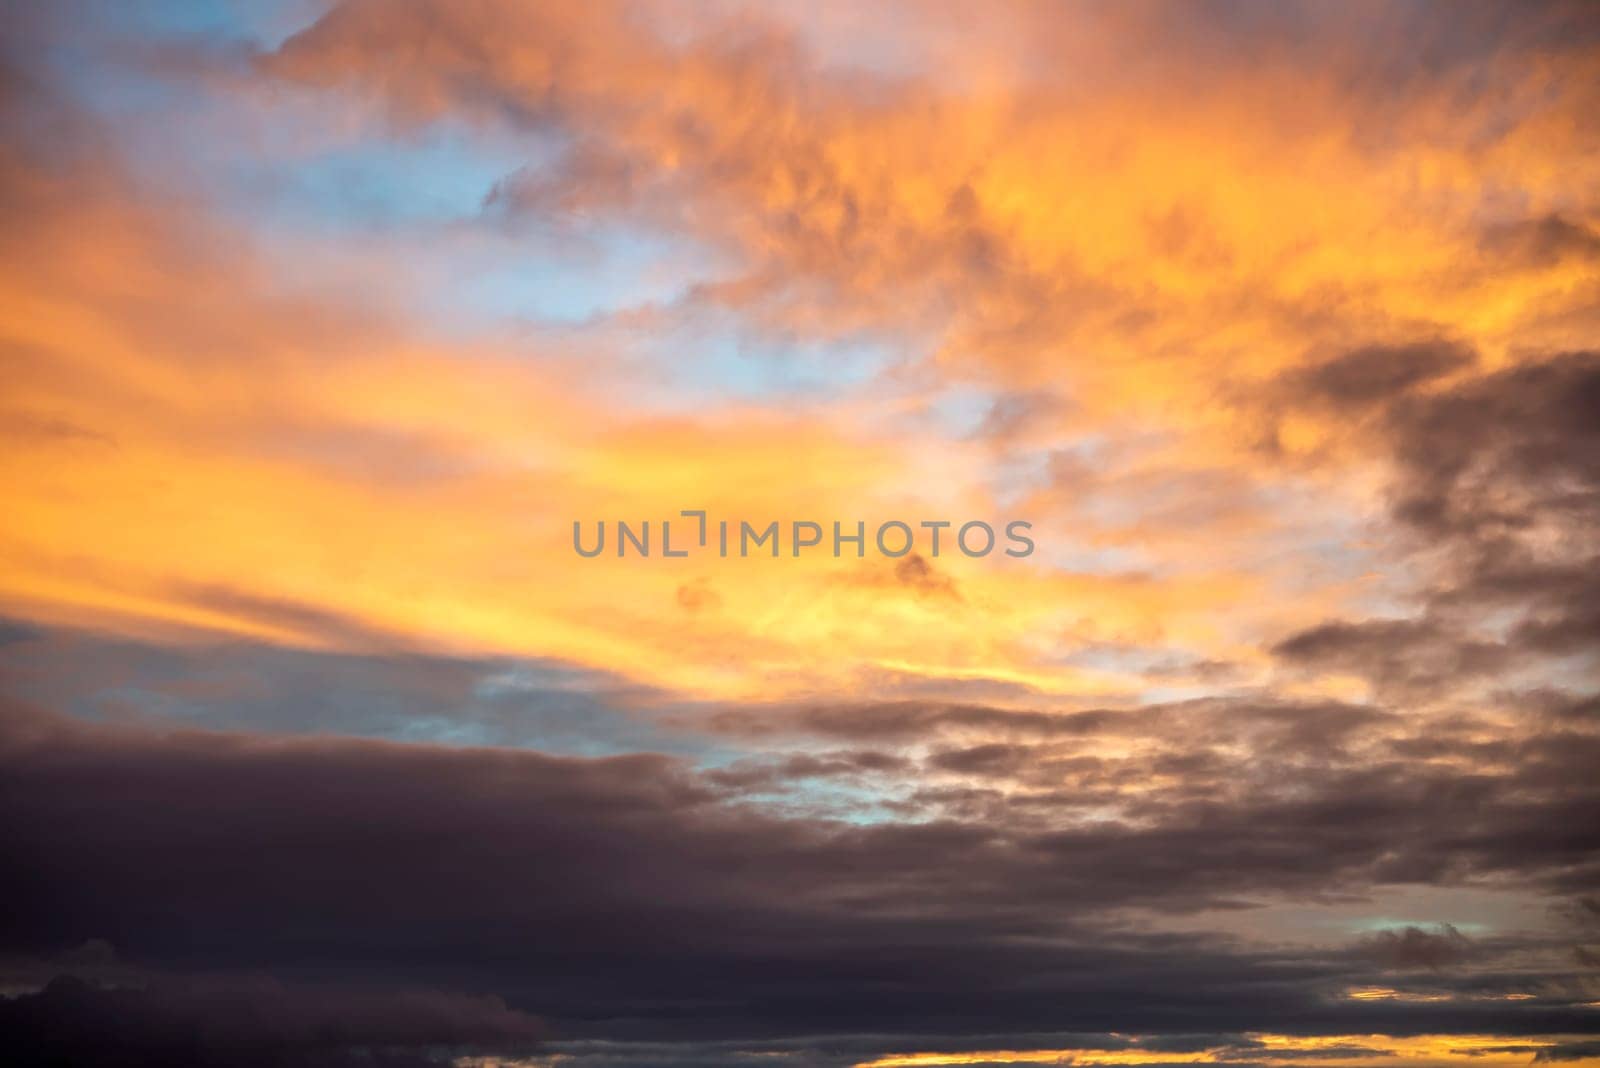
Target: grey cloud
<point>1569,1051</point>
<point>1543,241</point>
<point>252,1022</point>
<point>1375,374</point>
<point>1496,490</point>
<point>380,689</point>
<point>631,898</point>
<point>1412,655</point>
<point>990,758</point>
<point>1414,947</point>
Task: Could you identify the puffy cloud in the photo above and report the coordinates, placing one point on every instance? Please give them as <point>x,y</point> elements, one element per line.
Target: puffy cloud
<point>1413,947</point>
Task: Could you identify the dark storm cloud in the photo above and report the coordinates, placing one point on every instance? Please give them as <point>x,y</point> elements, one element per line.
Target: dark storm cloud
<point>1413,655</point>
<point>1569,1051</point>
<point>1376,373</point>
<point>1413,947</point>
<point>1497,482</point>
<point>627,898</point>
<point>990,758</point>
<point>1502,451</point>
<point>232,1022</point>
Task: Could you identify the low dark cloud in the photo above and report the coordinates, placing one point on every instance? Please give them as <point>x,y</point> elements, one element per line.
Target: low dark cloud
<point>630,898</point>
<point>232,1022</point>
<point>1569,1051</point>
<point>1496,494</point>
<point>1412,656</point>
<point>1416,947</point>
<point>1375,374</point>
<point>1488,459</point>
<point>990,758</point>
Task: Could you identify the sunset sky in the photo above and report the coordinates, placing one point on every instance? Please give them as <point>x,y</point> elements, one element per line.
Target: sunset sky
<point>322,324</point>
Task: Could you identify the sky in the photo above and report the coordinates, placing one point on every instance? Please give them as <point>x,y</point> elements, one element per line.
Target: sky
<point>325,325</point>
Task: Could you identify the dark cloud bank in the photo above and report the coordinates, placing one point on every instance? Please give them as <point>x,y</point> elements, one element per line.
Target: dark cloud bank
<point>623,898</point>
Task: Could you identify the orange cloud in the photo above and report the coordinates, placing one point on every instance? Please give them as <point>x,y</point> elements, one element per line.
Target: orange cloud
<point>1155,249</point>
